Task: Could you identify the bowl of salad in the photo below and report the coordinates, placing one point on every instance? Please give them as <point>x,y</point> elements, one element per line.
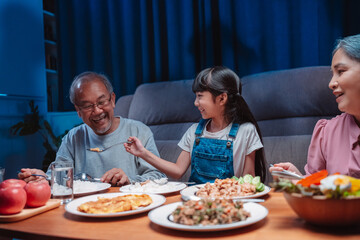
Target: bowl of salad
<point>322,199</point>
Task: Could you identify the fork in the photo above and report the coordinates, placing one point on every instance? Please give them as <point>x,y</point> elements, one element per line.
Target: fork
<point>96,149</point>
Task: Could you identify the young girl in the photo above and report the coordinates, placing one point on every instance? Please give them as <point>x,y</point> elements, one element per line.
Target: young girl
<point>227,140</point>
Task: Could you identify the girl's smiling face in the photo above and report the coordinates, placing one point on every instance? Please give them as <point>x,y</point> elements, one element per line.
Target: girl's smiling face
<point>345,83</point>
<point>209,106</point>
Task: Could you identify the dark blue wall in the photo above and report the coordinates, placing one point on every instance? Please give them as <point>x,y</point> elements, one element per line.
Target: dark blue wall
<point>22,77</point>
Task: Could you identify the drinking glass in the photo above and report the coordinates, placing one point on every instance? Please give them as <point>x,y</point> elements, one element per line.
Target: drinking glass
<point>62,179</point>
<point>2,173</point>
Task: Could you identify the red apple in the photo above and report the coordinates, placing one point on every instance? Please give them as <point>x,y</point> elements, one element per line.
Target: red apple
<point>38,193</point>
<point>12,200</point>
<point>12,183</point>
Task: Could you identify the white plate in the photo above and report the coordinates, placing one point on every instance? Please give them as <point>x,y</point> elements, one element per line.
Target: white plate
<point>191,191</point>
<point>72,206</point>
<point>96,187</point>
<point>161,217</point>
<point>169,187</point>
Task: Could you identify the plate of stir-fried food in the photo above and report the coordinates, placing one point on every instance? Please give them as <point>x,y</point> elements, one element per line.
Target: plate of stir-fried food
<point>114,204</point>
<point>229,188</point>
<point>208,215</point>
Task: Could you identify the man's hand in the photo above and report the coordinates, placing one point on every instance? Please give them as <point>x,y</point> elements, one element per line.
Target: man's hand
<point>115,177</point>
<point>26,175</point>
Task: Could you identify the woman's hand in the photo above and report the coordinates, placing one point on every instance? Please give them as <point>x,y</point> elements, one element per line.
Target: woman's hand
<point>134,146</point>
<point>285,166</point>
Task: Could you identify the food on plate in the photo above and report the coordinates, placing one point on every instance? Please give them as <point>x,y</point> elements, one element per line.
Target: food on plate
<point>86,186</point>
<point>259,186</point>
<point>313,178</point>
<point>210,212</point>
<point>157,185</point>
<point>12,200</point>
<point>38,193</point>
<point>335,186</point>
<point>116,204</point>
<point>231,187</point>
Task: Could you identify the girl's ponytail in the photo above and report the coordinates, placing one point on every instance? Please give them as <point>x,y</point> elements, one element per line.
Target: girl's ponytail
<point>243,115</point>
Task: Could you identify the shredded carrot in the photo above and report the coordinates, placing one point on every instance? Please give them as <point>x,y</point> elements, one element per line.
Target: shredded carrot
<point>313,178</point>
<point>198,206</point>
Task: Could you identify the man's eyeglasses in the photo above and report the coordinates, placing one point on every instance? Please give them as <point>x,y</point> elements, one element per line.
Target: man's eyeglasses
<point>100,104</point>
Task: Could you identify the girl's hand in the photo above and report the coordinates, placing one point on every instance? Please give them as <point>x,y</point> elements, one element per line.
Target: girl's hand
<point>134,146</point>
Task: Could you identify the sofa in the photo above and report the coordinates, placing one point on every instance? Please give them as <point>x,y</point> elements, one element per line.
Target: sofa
<point>286,104</point>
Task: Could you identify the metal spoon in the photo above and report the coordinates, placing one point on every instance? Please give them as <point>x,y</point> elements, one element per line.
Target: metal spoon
<point>96,149</point>
<point>286,174</point>
<point>85,177</point>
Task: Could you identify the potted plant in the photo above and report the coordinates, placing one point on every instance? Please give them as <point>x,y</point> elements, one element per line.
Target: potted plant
<point>33,124</point>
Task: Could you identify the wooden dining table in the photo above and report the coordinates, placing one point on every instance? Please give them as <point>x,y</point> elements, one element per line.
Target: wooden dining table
<point>280,223</point>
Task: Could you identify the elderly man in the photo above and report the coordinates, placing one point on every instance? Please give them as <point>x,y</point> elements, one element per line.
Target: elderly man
<point>94,100</point>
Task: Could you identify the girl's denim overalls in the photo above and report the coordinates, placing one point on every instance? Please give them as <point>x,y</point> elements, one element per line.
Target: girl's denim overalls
<point>212,158</point>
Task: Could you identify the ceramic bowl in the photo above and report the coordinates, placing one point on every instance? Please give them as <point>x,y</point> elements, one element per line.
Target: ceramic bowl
<point>326,212</point>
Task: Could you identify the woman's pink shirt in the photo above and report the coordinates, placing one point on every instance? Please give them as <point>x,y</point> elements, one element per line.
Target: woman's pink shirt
<point>331,147</point>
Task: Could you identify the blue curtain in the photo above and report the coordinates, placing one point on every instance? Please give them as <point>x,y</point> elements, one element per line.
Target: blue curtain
<point>139,41</point>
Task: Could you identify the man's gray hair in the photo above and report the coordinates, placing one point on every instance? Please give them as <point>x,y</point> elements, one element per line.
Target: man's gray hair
<point>350,45</point>
<point>88,77</point>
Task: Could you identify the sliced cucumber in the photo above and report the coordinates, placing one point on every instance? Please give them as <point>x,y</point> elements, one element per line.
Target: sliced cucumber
<point>248,178</point>
<point>260,187</point>
<point>235,177</point>
<point>241,180</point>
<point>255,180</point>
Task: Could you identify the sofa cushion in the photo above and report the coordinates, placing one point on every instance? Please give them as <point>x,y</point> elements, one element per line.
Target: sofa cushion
<point>164,102</point>
<point>169,150</point>
<point>170,131</point>
<point>122,106</point>
<point>292,149</point>
<point>288,126</point>
<point>288,95</point>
